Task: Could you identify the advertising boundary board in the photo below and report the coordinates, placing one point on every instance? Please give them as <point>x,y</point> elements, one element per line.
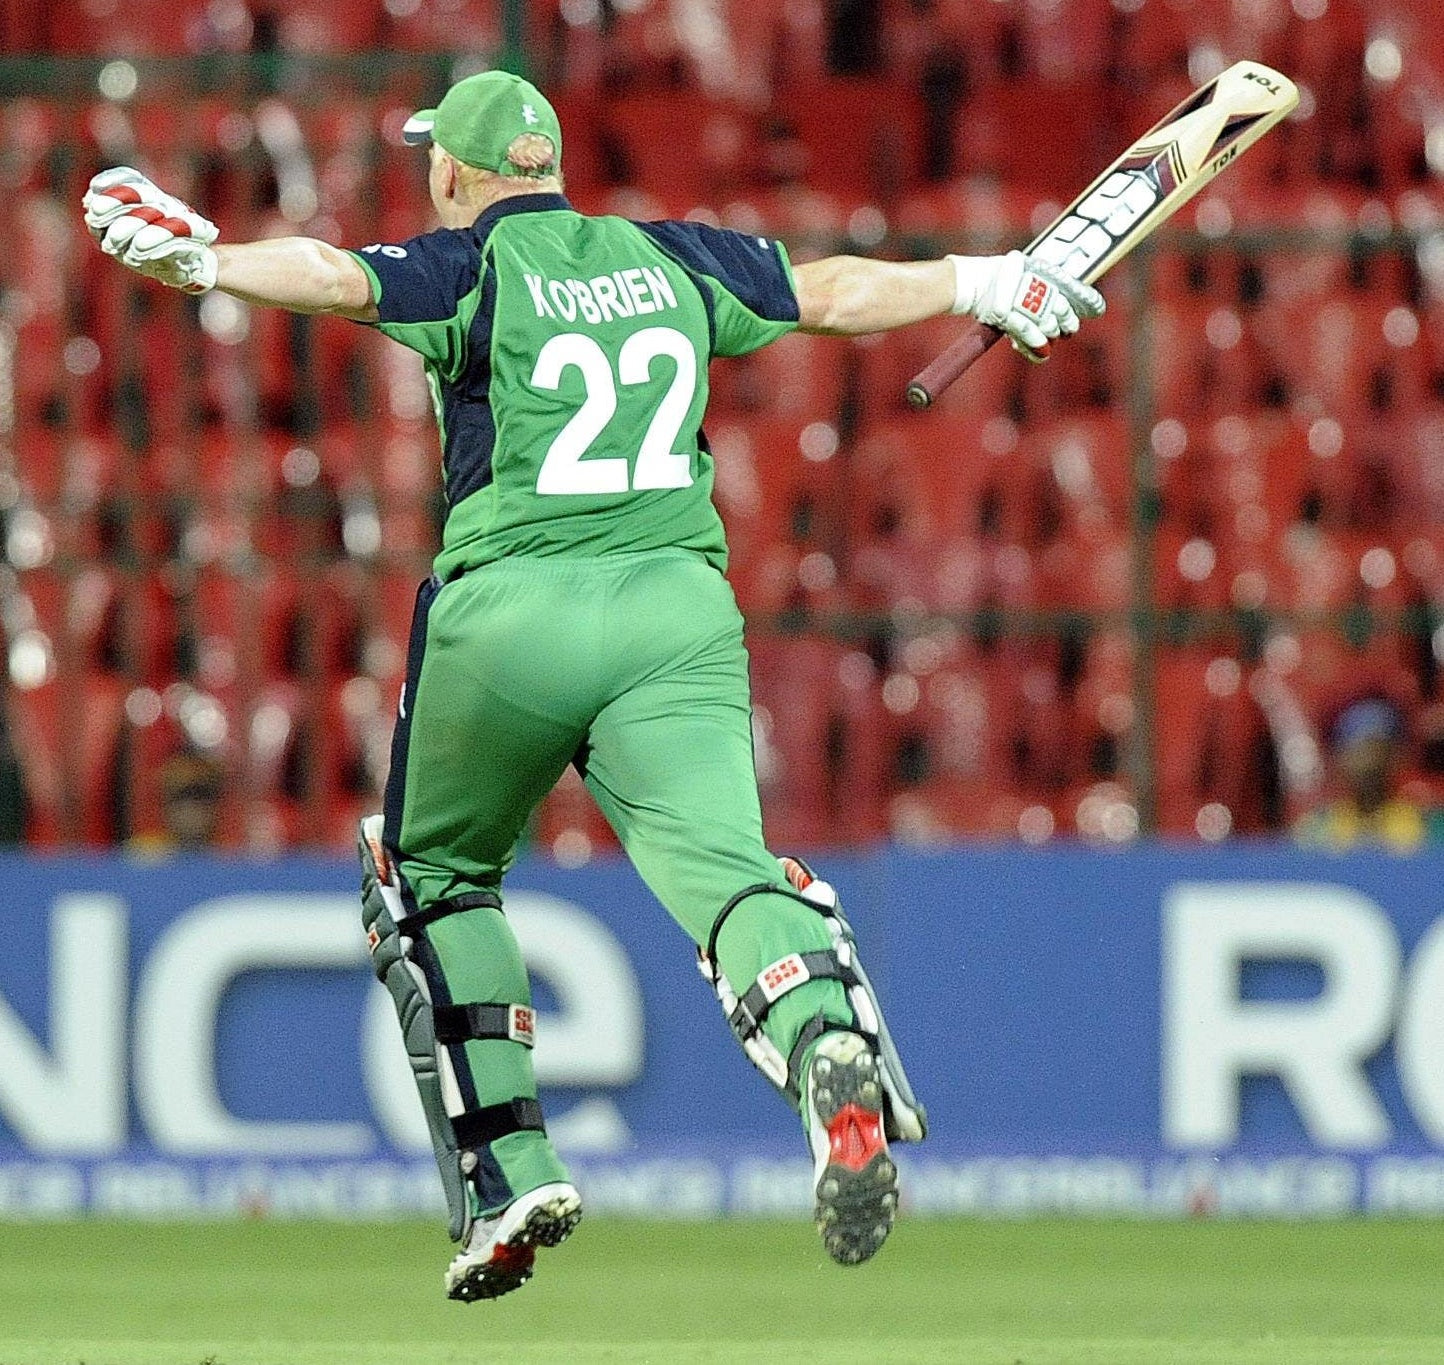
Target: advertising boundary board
<point>1152,1032</point>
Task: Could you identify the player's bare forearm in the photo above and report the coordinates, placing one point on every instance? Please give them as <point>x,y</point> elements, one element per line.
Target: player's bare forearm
<point>850,295</point>
<point>300,274</point>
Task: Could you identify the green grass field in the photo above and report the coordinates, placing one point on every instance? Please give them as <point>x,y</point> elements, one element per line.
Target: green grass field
<point>997,1293</point>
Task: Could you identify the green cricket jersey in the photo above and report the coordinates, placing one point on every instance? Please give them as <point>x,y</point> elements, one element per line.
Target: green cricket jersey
<point>567,358</point>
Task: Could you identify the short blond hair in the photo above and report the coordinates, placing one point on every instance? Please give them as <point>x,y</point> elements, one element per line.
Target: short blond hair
<point>533,154</point>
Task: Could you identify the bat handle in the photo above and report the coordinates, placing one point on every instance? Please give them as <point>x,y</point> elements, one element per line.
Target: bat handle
<point>926,388</point>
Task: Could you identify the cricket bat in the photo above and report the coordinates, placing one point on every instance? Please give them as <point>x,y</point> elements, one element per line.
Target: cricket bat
<point>1150,182</point>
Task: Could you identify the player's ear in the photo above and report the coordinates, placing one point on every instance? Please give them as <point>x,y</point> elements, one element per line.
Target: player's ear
<point>443,172</point>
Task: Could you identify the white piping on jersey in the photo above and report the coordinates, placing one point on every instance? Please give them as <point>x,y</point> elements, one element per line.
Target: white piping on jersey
<point>625,293</point>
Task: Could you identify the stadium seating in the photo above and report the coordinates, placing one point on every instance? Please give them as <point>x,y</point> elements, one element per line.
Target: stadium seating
<point>1243,458</point>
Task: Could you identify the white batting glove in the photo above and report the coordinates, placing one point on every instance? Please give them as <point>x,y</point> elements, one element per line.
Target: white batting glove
<point>151,231</point>
<point>122,191</point>
<point>157,250</point>
<point>1028,300</point>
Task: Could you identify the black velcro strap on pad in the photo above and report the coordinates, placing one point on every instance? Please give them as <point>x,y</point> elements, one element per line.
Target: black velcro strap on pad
<point>812,1030</point>
<point>784,975</point>
<point>474,1023</point>
<point>478,1127</point>
<point>453,905</point>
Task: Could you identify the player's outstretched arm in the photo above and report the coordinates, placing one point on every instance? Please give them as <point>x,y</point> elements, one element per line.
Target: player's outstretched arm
<point>160,236</point>
<point>851,295</point>
<point>1027,299</point>
<point>300,274</point>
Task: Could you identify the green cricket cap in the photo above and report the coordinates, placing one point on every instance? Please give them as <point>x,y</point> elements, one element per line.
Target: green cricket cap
<point>479,118</point>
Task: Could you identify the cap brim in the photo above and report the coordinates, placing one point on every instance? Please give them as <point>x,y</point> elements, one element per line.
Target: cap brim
<point>416,131</point>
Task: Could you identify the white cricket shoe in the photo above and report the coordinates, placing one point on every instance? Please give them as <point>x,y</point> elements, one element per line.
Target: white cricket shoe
<point>856,1179</point>
<point>500,1252</point>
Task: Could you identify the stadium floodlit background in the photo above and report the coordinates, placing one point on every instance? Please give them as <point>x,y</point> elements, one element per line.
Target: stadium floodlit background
<point>1045,678</point>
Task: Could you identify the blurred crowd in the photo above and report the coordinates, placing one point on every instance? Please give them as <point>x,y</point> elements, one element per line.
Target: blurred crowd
<point>1165,583</point>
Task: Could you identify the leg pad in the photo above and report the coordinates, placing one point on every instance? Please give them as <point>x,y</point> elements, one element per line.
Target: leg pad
<point>904,1117</point>
<point>432,1033</point>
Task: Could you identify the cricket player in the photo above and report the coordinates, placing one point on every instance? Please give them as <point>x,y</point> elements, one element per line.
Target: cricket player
<point>579,614</point>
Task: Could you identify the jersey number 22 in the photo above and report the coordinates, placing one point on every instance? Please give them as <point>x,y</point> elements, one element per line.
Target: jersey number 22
<point>565,468</point>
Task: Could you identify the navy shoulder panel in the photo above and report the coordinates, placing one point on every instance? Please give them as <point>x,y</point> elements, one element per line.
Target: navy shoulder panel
<point>424,278</point>
<point>752,269</point>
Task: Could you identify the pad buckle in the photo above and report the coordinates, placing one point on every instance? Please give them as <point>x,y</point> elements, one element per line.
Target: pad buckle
<point>521,1025</point>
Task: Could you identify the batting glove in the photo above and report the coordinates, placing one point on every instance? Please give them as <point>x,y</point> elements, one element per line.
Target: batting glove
<point>150,231</point>
<point>1028,300</point>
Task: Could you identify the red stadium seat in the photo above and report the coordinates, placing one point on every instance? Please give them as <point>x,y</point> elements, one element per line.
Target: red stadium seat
<point>282,769</point>
<point>778,507</point>
<point>945,810</point>
<point>315,759</point>
<point>990,478</point>
<point>1211,362</point>
<point>409,457</point>
<point>75,785</point>
<point>982,738</point>
<point>23,27</point>
<point>813,736</point>
<point>66,712</point>
<point>137,28</point>
<point>441,26</point>
<point>859,134</point>
<point>272,624</point>
<point>1190,573</point>
<point>709,146</point>
<point>995,217</point>
<point>1012,133</point>
<point>916,478</point>
<point>1213,745</point>
<point>391,600</point>
<point>1089,454</point>
<point>1088,568</point>
<point>1355,354</point>
<point>799,376</point>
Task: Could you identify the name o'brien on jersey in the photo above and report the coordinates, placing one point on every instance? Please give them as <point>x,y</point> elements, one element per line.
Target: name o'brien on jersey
<point>623,293</point>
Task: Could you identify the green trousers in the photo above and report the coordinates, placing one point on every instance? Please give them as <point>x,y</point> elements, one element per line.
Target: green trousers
<point>632,667</point>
